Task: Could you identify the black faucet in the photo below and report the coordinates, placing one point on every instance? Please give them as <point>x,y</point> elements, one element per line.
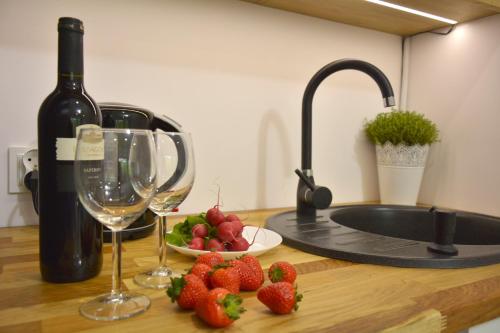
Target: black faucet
<point>310,196</point>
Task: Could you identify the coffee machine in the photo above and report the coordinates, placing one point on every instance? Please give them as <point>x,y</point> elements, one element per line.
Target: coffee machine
<point>120,115</point>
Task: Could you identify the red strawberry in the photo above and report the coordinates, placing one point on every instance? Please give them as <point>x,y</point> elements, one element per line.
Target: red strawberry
<point>249,279</point>
<point>254,265</point>
<point>280,297</point>
<point>282,271</point>
<point>201,271</point>
<point>219,308</point>
<point>187,290</point>
<point>225,276</point>
<point>211,259</point>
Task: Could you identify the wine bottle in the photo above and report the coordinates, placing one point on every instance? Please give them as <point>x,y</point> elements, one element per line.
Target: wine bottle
<point>70,238</point>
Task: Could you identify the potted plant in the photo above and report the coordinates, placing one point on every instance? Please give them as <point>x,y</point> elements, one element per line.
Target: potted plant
<point>402,140</point>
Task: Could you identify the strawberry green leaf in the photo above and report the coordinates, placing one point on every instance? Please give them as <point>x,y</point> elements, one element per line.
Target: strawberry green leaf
<point>175,289</point>
<point>223,265</point>
<point>298,298</point>
<point>276,275</point>
<point>232,306</point>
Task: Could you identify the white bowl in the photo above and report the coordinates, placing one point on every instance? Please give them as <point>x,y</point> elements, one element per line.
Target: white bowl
<point>265,240</point>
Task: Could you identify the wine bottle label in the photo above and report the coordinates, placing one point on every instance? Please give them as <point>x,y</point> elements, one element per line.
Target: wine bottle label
<point>65,149</point>
<point>92,147</point>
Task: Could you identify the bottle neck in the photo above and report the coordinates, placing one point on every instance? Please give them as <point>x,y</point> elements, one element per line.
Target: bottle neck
<point>70,60</point>
<point>70,81</point>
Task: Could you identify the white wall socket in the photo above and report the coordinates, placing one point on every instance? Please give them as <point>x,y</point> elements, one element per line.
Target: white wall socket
<point>21,161</point>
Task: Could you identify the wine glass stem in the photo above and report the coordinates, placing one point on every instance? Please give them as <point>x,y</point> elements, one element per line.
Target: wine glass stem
<point>162,228</point>
<point>117,262</point>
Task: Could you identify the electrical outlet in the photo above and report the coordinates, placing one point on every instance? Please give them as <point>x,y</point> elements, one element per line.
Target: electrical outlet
<point>30,160</point>
<point>21,161</point>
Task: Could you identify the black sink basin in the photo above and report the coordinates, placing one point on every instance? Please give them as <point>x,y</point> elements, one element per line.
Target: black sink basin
<point>390,235</point>
<point>417,223</point>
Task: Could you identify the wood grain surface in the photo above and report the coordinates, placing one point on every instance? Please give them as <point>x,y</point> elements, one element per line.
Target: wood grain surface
<point>339,296</point>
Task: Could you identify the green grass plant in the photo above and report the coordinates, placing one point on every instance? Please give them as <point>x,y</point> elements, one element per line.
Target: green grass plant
<point>401,127</point>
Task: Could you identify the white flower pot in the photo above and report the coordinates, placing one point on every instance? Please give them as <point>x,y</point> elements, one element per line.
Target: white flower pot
<point>400,170</point>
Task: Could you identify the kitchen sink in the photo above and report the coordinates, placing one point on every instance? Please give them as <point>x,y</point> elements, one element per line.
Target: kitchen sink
<point>405,236</point>
<point>390,235</point>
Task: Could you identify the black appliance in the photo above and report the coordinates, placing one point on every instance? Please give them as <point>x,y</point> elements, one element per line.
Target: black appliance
<point>119,115</point>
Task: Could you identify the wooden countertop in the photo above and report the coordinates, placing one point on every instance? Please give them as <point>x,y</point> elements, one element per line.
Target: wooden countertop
<point>339,296</point>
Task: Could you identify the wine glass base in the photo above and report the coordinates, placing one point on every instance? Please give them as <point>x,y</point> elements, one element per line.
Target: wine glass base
<point>158,278</point>
<point>115,306</point>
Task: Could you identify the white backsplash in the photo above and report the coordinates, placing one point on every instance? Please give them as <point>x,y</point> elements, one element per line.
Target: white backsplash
<point>230,72</point>
<point>455,81</point>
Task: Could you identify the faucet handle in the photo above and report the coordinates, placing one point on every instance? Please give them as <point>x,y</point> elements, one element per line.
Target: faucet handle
<point>306,180</point>
<point>318,196</point>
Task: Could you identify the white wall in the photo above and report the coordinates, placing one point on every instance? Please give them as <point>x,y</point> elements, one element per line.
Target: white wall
<point>232,73</point>
<point>455,81</point>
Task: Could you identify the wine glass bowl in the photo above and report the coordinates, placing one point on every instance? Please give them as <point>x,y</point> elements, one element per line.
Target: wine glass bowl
<point>175,178</point>
<point>115,178</point>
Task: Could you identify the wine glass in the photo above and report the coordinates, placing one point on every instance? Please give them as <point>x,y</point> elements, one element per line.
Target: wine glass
<point>175,177</point>
<point>115,178</point>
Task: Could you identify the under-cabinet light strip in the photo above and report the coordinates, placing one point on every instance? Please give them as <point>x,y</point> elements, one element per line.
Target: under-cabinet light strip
<point>413,11</point>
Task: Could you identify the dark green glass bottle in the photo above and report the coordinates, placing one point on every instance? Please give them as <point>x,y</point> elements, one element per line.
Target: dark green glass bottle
<point>70,238</point>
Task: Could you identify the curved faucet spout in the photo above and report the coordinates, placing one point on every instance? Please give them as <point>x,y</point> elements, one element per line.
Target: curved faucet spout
<point>309,196</point>
<point>359,65</point>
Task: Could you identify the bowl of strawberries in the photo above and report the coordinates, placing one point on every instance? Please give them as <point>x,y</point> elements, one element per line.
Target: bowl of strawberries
<point>226,234</point>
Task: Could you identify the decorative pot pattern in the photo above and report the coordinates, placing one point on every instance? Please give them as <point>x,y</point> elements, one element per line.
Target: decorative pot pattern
<point>402,155</point>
